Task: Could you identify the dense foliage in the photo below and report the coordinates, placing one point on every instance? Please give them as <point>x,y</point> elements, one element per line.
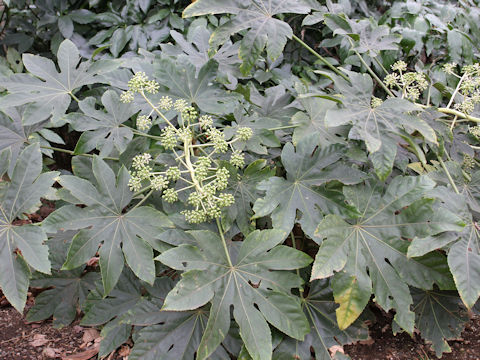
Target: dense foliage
<point>241,178</point>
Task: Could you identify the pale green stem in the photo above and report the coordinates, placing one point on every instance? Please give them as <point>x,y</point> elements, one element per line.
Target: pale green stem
<point>380,64</point>
<point>372,73</point>
<point>224,242</point>
<point>143,200</point>
<point>284,127</point>
<point>73,153</point>
<point>455,92</point>
<point>320,57</point>
<point>74,97</point>
<point>450,179</point>
<point>292,236</point>
<point>157,111</point>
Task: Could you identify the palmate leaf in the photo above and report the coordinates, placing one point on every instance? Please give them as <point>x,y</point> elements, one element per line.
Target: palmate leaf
<point>256,16</point>
<point>68,289</point>
<point>319,308</point>
<point>377,126</point>
<point>244,187</point>
<point>375,240</point>
<point>307,169</point>
<point>47,91</point>
<point>312,121</point>
<point>179,79</point>
<point>102,130</point>
<point>257,286</point>
<point>440,316</point>
<point>111,310</point>
<point>23,246</point>
<point>167,335</point>
<point>464,246</point>
<point>127,235</point>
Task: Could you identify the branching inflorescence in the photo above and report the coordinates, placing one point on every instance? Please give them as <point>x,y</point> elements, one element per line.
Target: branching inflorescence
<point>196,145</point>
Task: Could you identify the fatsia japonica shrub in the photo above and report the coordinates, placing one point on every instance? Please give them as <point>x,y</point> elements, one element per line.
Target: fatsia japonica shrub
<point>245,182</point>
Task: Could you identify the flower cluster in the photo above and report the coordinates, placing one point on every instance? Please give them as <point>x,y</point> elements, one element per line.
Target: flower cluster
<point>139,83</point>
<point>468,86</point>
<point>412,84</point>
<point>196,145</point>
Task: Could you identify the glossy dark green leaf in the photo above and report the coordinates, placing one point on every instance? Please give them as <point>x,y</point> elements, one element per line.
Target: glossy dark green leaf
<point>47,91</point>
<point>126,236</point>
<point>257,16</point>
<point>258,277</point>
<point>22,245</point>
<point>375,240</point>
<point>308,167</point>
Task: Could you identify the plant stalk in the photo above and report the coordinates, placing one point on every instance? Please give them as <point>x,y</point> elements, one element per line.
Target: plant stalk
<point>224,242</point>
<point>73,153</point>
<point>320,57</point>
<point>450,179</point>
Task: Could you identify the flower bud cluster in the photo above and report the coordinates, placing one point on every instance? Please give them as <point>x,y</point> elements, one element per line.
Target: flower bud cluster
<point>412,84</point>
<point>194,141</point>
<point>139,83</point>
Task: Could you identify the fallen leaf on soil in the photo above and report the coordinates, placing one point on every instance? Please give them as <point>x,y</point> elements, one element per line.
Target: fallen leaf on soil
<point>39,340</point>
<point>124,351</point>
<point>78,328</point>
<point>336,348</point>
<point>369,341</point>
<point>51,353</point>
<point>90,335</point>
<point>85,355</point>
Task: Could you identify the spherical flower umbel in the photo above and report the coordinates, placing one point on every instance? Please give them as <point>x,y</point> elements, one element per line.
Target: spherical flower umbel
<point>159,183</point>
<point>135,183</point>
<point>450,68</point>
<point>173,173</point>
<point>165,103</point>
<point>237,159</point>
<point>244,133</point>
<point>376,102</point>
<point>126,97</point>
<point>205,121</point>
<point>399,66</point>
<point>170,195</point>
<point>141,160</point>
<point>168,138</point>
<point>144,122</point>
<point>180,105</point>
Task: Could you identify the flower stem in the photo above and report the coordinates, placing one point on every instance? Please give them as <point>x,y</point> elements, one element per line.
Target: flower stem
<point>372,73</point>
<point>450,179</point>
<point>284,127</point>
<point>143,200</point>
<point>320,57</point>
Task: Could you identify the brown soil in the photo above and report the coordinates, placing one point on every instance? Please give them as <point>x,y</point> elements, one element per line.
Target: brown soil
<point>17,338</point>
<point>17,342</point>
<point>385,346</point>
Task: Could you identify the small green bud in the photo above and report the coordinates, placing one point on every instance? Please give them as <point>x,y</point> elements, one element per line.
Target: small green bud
<point>126,97</point>
<point>244,133</point>
<point>168,138</point>
<point>159,183</point>
<point>399,66</point>
<point>141,160</point>
<point>135,183</point>
<point>170,195</point>
<point>144,122</point>
<point>173,173</point>
<point>165,103</point>
<point>237,159</point>
<point>376,102</point>
<point>180,105</point>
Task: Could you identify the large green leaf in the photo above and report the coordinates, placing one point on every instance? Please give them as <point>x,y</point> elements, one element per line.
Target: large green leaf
<point>180,80</point>
<point>464,246</point>
<point>376,240</point>
<point>307,169</point>
<point>440,316</point>
<point>102,130</point>
<point>167,335</point>
<point>256,284</point>
<point>244,188</point>
<point>67,289</point>
<point>376,126</point>
<point>319,307</point>
<point>22,245</point>
<point>256,16</point>
<point>47,91</point>
<point>128,235</point>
